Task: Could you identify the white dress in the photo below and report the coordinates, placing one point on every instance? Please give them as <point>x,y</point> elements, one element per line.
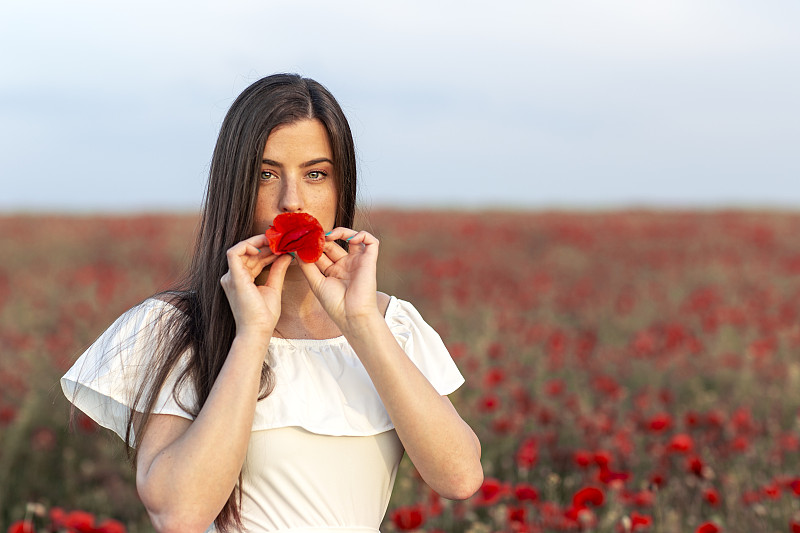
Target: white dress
<point>323,453</point>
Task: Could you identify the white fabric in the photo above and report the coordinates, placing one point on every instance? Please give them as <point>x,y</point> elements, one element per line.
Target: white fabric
<point>323,454</point>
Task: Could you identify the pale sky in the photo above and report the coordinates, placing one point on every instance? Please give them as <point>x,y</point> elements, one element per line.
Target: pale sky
<point>115,106</point>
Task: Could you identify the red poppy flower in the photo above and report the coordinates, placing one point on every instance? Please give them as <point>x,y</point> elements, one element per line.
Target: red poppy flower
<point>640,522</point>
<point>517,514</point>
<point>21,526</point>
<point>696,466</point>
<point>582,458</point>
<point>79,521</point>
<point>591,495</point>
<point>660,422</point>
<point>681,443</point>
<point>491,491</point>
<point>708,527</point>
<point>795,526</point>
<point>297,232</point>
<point>408,517</point>
<point>711,496</point>
<point>528,453</point>
<point>525,491</point>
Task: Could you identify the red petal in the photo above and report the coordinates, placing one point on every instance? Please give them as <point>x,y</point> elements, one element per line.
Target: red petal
<point>296,232</point>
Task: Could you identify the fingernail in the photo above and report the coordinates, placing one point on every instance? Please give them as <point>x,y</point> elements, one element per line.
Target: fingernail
<point>350,237</point>
<point>258,250</point>
<point>331,231</point>
<point>293,254</point>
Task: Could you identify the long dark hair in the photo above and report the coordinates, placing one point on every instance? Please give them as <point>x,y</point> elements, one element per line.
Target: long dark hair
<point>206,326</point>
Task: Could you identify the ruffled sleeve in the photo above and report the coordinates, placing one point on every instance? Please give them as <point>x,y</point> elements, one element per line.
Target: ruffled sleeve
<point>104,380</point>
<point>423,346</point>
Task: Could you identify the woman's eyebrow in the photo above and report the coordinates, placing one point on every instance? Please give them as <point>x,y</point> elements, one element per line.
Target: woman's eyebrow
<point>313,162</point>
<point>316,162</point>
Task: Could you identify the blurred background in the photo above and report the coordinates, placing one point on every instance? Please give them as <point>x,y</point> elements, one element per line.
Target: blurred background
<point>110,107</point>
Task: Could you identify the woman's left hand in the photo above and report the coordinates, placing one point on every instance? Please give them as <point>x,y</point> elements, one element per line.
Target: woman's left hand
<point>345,281</point>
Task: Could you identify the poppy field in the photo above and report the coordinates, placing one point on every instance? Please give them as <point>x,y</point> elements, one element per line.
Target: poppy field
<point>627,371</point>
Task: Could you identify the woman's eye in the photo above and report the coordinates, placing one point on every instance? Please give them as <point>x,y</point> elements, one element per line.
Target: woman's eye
<point>316,175</point>
<point>266,175</point>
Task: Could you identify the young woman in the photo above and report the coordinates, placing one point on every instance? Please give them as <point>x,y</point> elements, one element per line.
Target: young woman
<point>265,393</point>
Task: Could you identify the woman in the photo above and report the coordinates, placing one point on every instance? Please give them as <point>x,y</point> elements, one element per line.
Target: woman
<point>266,393</point>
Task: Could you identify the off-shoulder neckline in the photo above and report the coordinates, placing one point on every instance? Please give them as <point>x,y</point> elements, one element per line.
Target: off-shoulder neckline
<point>280,341</point>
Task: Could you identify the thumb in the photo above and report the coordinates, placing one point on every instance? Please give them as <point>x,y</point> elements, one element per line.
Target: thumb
<point>277,272</point>
<point>313,275</point>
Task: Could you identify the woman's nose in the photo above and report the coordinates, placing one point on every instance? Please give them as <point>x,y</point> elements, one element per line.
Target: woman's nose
<point>291,199</point>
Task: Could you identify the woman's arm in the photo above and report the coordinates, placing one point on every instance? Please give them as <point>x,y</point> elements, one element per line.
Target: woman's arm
<point>186,470</point>
<point>443,448</point>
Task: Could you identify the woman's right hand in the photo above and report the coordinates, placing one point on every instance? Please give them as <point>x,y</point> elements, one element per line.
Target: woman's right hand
<point>256,308</point>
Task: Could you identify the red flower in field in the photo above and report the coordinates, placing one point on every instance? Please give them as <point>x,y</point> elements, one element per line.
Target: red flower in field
<point>772,491</point>
<point>525,491</point>
<point>795,485</point>
<point>602,458</point>
<point>494,377</point>
<point>637,522</point>
<point>86,424</point>
<point>795,526</point>
<point>711,496</point>
<point>660,422</point>
<point>708,527</point>
<point>517,514</point>
<point>695,465</point>
<point>408,517</point>
<point>21,526</point>
<point>588,495</point>
<point>528,453</point>
<point>297,232</point>
<point>608,476</point>
<point>582,458</point>
<point>491,491</point>
<point>642,498</point>
<point>57,515</point>
<point>681,443</point>
<point>80,521</point>
<point>488,403</point>
<point>740,444</point>
<point>692,419</point>
<point>658,479</point>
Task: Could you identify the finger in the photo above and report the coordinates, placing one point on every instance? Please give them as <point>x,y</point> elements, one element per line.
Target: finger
<point>278,271</point>
<point>362,238</point>
<point>331,253</point>
<point>313,274</point>
<point>339,233</point>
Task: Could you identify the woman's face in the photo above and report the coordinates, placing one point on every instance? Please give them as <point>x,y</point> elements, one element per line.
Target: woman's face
<point>297,175</point>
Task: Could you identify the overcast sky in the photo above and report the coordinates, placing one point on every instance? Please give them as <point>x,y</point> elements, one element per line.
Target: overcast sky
<point>115,106</point>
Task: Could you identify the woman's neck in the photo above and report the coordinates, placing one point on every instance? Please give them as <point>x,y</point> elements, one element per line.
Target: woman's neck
<point>302,316</point>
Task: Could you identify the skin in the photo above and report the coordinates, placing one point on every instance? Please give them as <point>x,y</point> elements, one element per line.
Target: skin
<point>187,469</point>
